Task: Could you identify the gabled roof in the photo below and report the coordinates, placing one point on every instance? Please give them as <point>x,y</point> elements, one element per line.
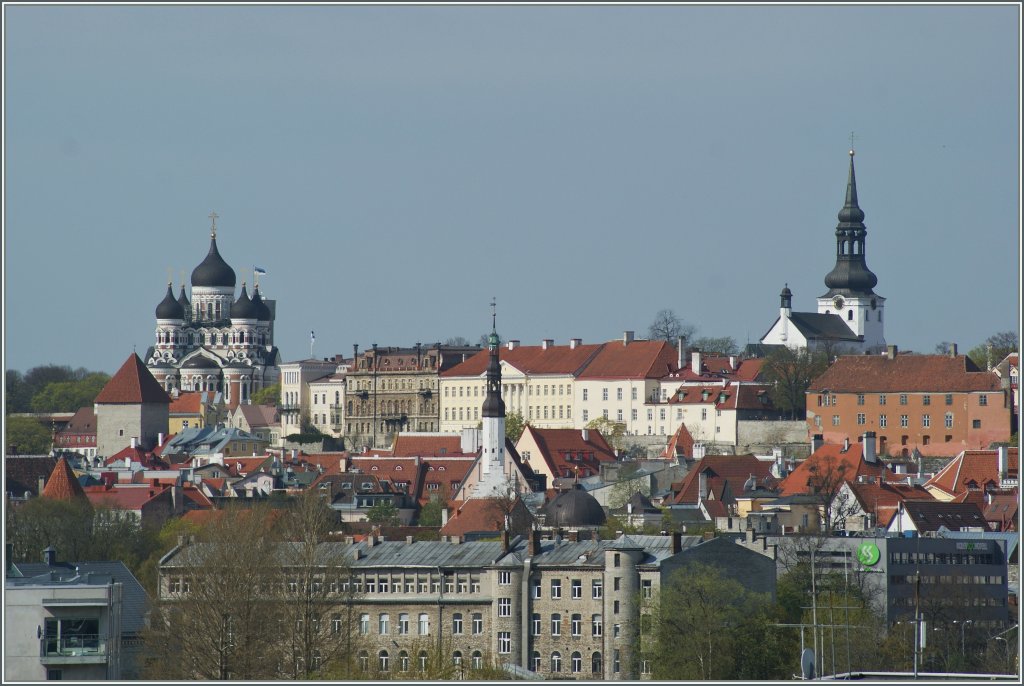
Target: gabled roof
<point>479,515</point>
<point>130,498</point>
<point>633,360</point>
<point>83,421</point>
<point>411,445</point>
<point>132,384</point>
<point>723,471</point>
<point>832,462</point>
<point>972,470</point>
<point>681,443</point>
<point>530,359</point>
<point>882,498</point>
<point>1002,511</point>
<point>259,415</point>
<point>930,515</point>
<point>62,484</point>
<point>565,450</point>
<point>717,368</point>
<point>730,396</point>
<point>189,403</point>
<point>904,373</point>
<point>813,325</point>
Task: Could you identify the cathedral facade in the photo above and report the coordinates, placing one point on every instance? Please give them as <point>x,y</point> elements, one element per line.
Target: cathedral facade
<point>210,340</point>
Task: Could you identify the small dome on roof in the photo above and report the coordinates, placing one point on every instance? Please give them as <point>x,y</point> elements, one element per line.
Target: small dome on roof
<point>574,508</point>
<point>262,311</point>
<point>213,271</point>
<point>244,307</point>
<point>169,308</point>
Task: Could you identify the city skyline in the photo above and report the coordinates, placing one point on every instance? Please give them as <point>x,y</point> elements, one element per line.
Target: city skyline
<point>394,168</point>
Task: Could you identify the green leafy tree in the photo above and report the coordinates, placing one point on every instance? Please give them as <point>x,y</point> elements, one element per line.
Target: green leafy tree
<point>790,372</point>
<point>700,622</point>
<point>514,425</point>
<point>17,394</point>
<point>612,431</point>
<point>68,396</point>
<point>270,395</point>
<point>383,512</point>
<point>994,349</point>
<point>27,436</point>
<point>430,514</point>
<point>627,485</point>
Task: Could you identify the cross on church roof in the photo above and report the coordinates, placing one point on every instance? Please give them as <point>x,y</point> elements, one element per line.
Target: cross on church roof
<point>851,143</point>
<point>213,225</point>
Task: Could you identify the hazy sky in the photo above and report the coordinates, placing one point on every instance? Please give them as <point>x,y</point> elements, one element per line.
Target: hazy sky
<point>393,168</point>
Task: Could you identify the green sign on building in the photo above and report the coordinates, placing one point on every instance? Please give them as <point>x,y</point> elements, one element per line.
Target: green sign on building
<point>867,554</point>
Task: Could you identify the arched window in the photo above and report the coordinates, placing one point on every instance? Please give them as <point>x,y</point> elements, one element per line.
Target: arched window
<point>556,662</point>
<point>535,661</point>
<point>423,660</point>
<point>382,660</point>
<point>577,663</point>
<point>595,663</point>
<point>364,661</point>
<point>457,658</point>
<point>478,660</point>
<point>403,661</point>
<point>849,315</point>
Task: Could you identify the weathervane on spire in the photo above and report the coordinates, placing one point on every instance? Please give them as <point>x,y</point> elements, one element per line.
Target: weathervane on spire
<point>213,225</point>
<point>494,314</point>
<point>851,143</point>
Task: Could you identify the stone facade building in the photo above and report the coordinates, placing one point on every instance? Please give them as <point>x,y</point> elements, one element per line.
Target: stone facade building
<point>132,406</point>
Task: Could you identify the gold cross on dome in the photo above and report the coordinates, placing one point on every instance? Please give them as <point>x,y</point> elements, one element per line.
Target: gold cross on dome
<point>213,225</point>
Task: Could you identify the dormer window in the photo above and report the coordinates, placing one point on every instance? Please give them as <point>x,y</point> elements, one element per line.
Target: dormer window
<point>373,468</point>
<point>398,468</point>
<point>440,469</point>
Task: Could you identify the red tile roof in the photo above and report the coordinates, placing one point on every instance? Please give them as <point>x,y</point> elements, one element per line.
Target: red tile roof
<point>476,514</point>
<point>84,421</point>
<point>633,360</point>
<point>832,462</point>
<point>681,443</point>
<point>883,498</point>
<point>411,445</point>
<point>132,384</point>
<point>722,471</point>
<point>259,415</point>
<point>1002,512</point>
<point>731,396</point>
<point>977,467</point>
<point>187,403</point>
<point>62,484</point>
<point>131,498</point>
<point>904,373</point>
<point>556,446</point>
<point>531,359</point>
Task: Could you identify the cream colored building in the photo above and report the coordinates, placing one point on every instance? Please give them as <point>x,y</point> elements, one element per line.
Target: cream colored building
<point>296,399</point>
<point>327,403</point>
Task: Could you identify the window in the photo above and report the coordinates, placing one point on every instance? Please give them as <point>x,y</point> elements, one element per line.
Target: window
<point>615,607</point>
<point>478,623</point>
<point>903,398</point>
<point>504,642</point>
<point>382,624</point>
<point>926,399</point>
<point>584,393</point>
<point>576,625</point>
<point>881,399</point>
<point>364,623</point>
<point>382,660</point>
<point>364,660</point>
<point>926,420</point>
<point>860,398</point>
<point>556,662</point>
<point>618,415</point>
<point>632,414</point>
<point>646,589</point>
<point>904,421</point>
<point>615,661</point>
<point>616,560</point>
<point>976,424</point>
<point>424,624</point>
<point>535,624</point>
<point>577,663</point>
<point>403,661</point>
<point>883,421</point>
<point>336,624</point>
<point>504,578</point>
<point>577,589</point>
<point>423,660</point>
<point>536,589</point>
<point>556,589</point>
<point>504,607</point>
<point>949,398</point>
<point>645,666</point>
<point>457,659</point>
<point>983,399</point>
<point>595,663</point>
<point>596,587</point>
<point>556,624</point>
<point>617,583</point>
<point>585,415</point>
<point>632,393</point>
<point>604,394</point>
<point>596,627</point>
<point>618,394</point>
<point>835,420</point>
<point>861,419</point>
<point>403,624</point>
<point>457,623</point>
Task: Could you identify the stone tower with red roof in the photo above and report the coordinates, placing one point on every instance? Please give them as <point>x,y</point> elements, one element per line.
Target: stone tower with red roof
<point>131,406</point>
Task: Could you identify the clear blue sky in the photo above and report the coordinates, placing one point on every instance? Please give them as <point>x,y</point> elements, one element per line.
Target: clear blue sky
<point>393,168</point>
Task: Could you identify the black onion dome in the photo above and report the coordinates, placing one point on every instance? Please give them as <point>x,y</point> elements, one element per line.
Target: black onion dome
<point>786,293</point>
<point>169,308</point>
<point>213,271</point>
<point>262,311</point>
<point>244,308</point>
<point>183,300</point>
<point>574,508</point>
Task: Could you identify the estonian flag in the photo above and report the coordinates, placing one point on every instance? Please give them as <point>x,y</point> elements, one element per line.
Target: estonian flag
<point>259,270</point>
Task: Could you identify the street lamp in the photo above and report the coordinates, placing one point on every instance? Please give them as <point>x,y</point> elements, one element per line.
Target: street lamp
<point>963,626</point>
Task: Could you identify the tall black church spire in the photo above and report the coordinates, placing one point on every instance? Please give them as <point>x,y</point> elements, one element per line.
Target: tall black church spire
<point>494,406</point>
<point>851,275</point>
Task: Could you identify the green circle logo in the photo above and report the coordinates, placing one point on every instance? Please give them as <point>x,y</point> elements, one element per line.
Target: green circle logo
<point>867,554</point>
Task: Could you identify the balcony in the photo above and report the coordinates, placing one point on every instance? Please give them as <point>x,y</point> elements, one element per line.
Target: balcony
<point>77,649</point>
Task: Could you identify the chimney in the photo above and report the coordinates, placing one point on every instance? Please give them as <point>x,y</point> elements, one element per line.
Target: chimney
<point>695,363</point>
<point>408,539</point>
<point>574,342</point>
<point>952,350</point>
<point>41,483</point>
<point>444,516</point>
<point>160,439</point>
<point>733,361</point>
<point>891,352</point>
<point>504,541</point>
<point>680,351</point>
<point>627,337</point>
<point>135,442</point>
<point>869,448</point>
<point>817,440</point>
<point>546,343</point>
<point>342,464</point>
<point>50,556</point>
<point>574,536</point>
<point>534,548</point>
<point>708,535</point>
<point>513,344</point>
<point>702,486</point>
<point>371,541</point>
<point>585,433</point>
<point>846,444</point>
<point>677,542</point>
<point>1002,461</point>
